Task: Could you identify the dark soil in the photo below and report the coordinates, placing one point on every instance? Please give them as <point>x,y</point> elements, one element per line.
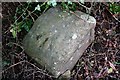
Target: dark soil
<point>101,56</point>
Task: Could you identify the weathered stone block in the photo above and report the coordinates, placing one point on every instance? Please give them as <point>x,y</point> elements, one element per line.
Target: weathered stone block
<point>58,39</point>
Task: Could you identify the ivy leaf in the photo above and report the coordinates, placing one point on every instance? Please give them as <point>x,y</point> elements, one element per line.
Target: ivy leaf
<point>27,24</point>
<point>65,6</point>
<point>69,2</point>
<point>82,1</point>
<point>38,7</point>
<point>25,27</point>
<point>36,0</point>
<point>114,8</point>
<point>5,63</point>
<point>29,0</point>
<point>52,2</point>
<point>49,3</point>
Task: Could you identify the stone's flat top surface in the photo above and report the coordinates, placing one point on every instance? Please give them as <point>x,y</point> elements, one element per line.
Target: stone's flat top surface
<point>54,38</point>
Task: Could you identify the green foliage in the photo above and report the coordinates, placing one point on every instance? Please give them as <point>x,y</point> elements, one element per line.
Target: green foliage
<point>16,28</point>
<point>38,8</point>
<point>5,63</point>
<point>68,6</point>
<point>23,16</point>
<point>52,2</point>
<point>118,63</point>
<point>114,8</point>
<point>24,13</point>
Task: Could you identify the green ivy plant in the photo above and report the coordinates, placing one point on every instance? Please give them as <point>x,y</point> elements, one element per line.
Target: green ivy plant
<point>114,8</point>
<point>25,20</point>
<point>52,2</point>
<point>68,6</point>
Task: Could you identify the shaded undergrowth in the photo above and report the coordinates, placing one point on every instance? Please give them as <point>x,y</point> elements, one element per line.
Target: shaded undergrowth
<point>101,60</point>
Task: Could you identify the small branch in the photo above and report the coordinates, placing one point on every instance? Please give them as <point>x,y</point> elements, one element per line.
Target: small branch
<point>21,14</point>
<point>87,9</point>
<point>31,16</point>
<point>12,66</point>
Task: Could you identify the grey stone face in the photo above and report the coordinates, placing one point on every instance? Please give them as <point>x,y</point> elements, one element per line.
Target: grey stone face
<point>57,39</point>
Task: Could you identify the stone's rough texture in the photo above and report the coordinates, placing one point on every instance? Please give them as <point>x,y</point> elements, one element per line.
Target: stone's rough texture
<point>57,39</point>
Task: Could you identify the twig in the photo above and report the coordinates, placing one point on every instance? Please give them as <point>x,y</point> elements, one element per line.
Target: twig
<point>82,4</point>
<point>75,14</point>
<point>31,16</point>
<point>12,66</point>
<point>78,71</point>
<point>113,15</point>
<point>22,14</point>
<point>87,9</point>
<point>39,72</point>
<point>35,10</point>
<point>15,44</point>
<point>28,63</point>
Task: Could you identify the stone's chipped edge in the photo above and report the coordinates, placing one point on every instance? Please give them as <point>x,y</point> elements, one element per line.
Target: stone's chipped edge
<point>74,36</point>
<point>88,18</point>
